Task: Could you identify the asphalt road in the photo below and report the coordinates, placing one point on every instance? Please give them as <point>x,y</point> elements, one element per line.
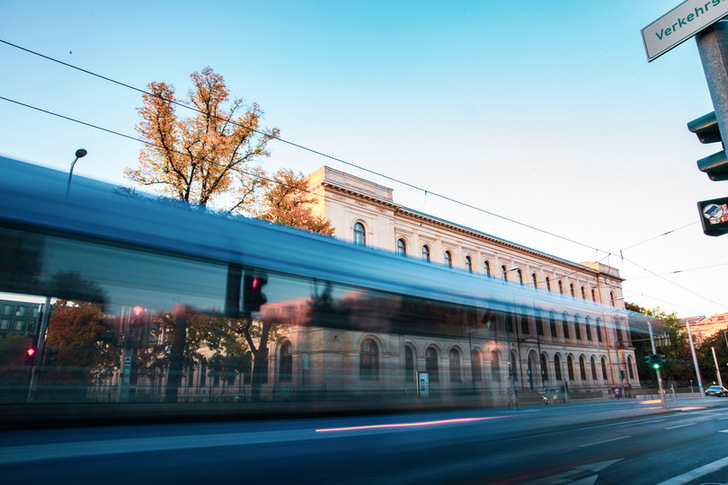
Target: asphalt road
<point>602,442</point>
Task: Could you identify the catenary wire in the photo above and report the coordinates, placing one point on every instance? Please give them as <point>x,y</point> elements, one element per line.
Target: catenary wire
<point>316,152</point>
<point>313,151</point>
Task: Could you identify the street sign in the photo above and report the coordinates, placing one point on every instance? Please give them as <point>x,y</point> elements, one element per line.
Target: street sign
<point>681,23</point>
<point>714,216</point>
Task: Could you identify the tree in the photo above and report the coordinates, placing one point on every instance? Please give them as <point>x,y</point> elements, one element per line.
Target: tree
<point>289,202</point>
<point>209,158</point>
<point>674,346</point>
<point>74,330</point>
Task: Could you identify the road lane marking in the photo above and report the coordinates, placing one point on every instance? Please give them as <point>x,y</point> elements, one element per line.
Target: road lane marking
<point>605,441</point>
<point>681,425</point>
<point>697,473</point>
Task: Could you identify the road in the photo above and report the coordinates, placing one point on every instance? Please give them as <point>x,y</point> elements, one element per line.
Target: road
<point>602,442</point>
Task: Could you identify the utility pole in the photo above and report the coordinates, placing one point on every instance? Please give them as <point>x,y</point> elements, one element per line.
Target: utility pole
<point>695,360</point>
<point>659,375</point>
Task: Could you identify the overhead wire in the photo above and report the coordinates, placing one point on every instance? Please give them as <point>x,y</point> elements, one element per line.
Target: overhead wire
<point>313,151</point>
<point>310,150</point>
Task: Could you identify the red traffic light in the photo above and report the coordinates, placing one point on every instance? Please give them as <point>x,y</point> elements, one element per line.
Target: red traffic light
<point>30,354</point>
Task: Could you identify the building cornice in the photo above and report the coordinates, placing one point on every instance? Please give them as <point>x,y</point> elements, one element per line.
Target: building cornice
<point>420,217</point>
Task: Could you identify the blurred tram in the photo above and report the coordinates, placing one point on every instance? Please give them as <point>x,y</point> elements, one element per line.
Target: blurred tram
<point>157,301</point>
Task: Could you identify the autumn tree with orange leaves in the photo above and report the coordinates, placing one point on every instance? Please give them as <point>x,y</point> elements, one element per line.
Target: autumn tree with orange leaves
<point>210,158</point>
<point>289,202</point>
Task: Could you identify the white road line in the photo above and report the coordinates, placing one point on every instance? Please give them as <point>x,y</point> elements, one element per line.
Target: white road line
<point>697,473</point>
<point>681,425</point>
<point>604,441</point>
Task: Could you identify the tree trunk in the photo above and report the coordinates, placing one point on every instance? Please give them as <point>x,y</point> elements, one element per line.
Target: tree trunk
<point>176,355</point>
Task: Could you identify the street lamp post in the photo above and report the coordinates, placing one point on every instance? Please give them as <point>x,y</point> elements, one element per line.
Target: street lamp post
<point>80,153</point>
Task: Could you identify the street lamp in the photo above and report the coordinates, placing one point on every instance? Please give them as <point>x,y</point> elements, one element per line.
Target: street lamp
<point>80,153</point>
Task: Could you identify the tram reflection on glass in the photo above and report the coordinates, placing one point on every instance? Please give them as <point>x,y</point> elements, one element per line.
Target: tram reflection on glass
<point>155,301</point>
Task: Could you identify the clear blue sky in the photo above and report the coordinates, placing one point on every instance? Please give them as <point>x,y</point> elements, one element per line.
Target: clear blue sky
<point>543,112</point>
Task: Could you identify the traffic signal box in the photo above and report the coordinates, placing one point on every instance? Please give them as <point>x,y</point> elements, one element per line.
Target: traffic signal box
<point>713,213</point>
<point>253,296</point>
<point>707,130</point>
<point>714,216</point>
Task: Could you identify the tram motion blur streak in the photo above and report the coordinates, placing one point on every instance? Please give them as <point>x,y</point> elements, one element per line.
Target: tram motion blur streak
<point>329,324</point>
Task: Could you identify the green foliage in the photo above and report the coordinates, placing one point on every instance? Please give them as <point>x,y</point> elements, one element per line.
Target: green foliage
<point>671,340</point>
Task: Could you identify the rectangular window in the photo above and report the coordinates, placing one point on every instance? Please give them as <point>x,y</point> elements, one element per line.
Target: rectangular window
<point>7,309</point>
<point>4,324</point>
<point>19,325</point>
<point>20,312</point>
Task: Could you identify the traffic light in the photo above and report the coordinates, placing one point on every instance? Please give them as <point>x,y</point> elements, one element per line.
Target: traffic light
<point>30,354</point>
<point>707,129</point>
<point>253,296</point>
<point>656,361</point>
<point>51,356</point>
<point>714,216</point>
<point>648,360</point>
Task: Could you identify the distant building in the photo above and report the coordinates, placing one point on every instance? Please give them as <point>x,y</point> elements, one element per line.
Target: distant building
<point>18,318</point>
<point>703,328</point>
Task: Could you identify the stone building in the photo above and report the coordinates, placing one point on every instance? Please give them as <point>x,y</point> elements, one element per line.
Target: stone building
<point>553,351</point>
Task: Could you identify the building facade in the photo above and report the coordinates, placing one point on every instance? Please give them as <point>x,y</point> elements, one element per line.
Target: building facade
<point>553,352</point>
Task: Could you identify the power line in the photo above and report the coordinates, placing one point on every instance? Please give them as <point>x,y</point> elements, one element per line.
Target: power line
<point>305,148</point>
<point>677,271</point>
<point>316,152</point>
<point>660,235</point>
<point>675,284</point>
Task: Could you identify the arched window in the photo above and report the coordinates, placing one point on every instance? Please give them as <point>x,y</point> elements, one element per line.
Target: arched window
<point>577,327</point>
<point>548,283</point>
<point>285,362</point>
<point>454,365</point>
<point>582,367</point>
<point>525,326</point>
<point>409,364</point>
<point>476,363</point>
<point>629,368</point>
<point>565,321</point>
<point>368,359</point>
<point>604,369</point>
<point>514,366</point>
<point>571,289</point>
<point>570,367</point>
<point>426,253</point>
<point>469,264</point>
<point>487,268</point>
<point>360,235</point>
<point>431,364</point>
<point>535,280</point>
<point>557,368</point>
<point>544,369</point>
<point>504,270</point>
<point>593,368</point>
<point>520,276</point>
<point>594,295</point>
<point>401,247</point>
<point>539,324</point>
<point>599,330</point>
<point>561,287</point>
<point>495,365</point>
<point>552,323</point>
<point>448,259</point>
<point>583,293</point>
<point>611,298</point>
<point>587,324</point>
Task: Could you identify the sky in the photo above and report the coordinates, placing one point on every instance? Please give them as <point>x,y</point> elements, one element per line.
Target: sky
<point>544,113</point>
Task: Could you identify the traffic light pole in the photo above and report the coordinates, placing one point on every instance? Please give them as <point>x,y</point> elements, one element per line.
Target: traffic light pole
<point>659,375</point>
<point>713,48</point>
